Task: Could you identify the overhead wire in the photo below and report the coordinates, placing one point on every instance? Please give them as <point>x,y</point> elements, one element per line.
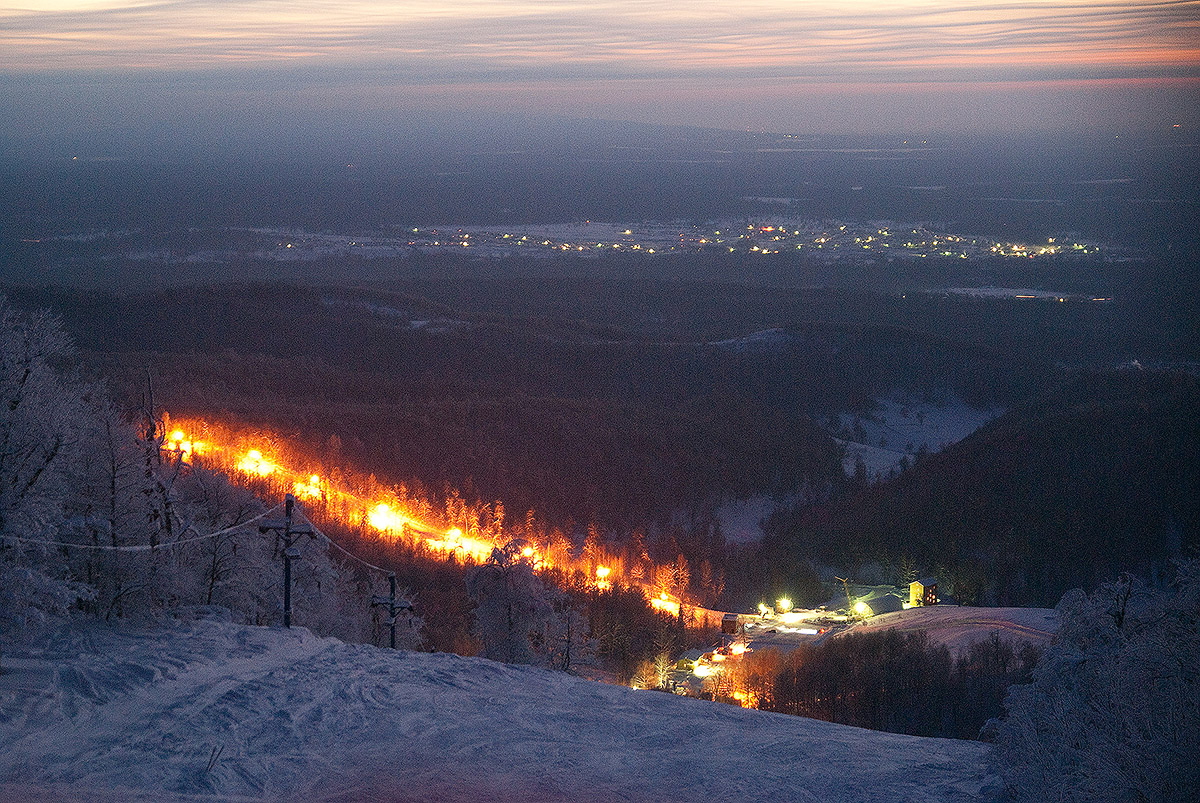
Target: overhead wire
<point>345,551</point>
<point>182,541</point>
<point>139,547</point>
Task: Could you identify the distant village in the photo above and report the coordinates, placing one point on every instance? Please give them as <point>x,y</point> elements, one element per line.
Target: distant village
<point>700,672</point>
<point>882,240</point>
<point>829,240</point>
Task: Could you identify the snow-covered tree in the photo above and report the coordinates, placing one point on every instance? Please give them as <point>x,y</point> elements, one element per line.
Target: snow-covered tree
<point>40,411</point>
<point>39,414</point>
<point>565,640</point>
<point>109,510</point>
<point>328,596</point>
<point>1113,712</point>
<point>92,512</point>
<point>512,607</point>
<point>213,505</point>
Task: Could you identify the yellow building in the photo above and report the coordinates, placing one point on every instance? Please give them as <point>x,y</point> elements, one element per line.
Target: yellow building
<point>922,592</point>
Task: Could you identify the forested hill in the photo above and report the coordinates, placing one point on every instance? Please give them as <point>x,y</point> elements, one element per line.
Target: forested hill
<point>688,402</point>
<point>1096,478</point>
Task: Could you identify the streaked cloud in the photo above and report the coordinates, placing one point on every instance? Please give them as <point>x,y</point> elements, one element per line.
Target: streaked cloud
<point>547,40</point>
<point>204,65</point>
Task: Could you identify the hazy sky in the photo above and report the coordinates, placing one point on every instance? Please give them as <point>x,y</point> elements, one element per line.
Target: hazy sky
<point>787,66</point>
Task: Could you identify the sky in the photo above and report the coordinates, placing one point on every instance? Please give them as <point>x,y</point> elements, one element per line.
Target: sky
<point>810,67</point>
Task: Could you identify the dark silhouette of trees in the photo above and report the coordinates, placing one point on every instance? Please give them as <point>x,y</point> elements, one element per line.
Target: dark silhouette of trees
<point>900,682</point>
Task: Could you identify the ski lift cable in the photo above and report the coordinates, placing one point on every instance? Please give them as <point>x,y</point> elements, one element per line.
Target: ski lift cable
<point>149,548</point>
<point>139,547</point>
<point>345,551</point>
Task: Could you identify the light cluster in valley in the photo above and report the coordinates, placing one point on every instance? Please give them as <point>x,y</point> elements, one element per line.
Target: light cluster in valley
<point>828,240</point>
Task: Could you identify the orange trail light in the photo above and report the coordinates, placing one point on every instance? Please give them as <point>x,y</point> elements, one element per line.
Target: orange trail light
<point>311,489</point>
<point>255,463</point>
<point>383,518</point>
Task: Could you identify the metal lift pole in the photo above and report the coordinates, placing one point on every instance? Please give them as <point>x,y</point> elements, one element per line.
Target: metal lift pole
<point>390,602</point>
<point>288,532</point>
<point>287,560</point>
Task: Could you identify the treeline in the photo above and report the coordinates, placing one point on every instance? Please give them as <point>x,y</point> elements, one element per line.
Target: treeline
<point>568,621</point>
<point>637,432</point>
<point>615,627</point>
<point>558,411</point>
<point>894,681</point>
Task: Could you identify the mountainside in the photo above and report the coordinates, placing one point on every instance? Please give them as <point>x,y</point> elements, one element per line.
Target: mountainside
<point>590,410</point>
<point>206,708</point>
<point>1096,478</point>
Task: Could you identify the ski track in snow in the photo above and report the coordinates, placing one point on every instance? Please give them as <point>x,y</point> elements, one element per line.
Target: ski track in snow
<point>140,714</point>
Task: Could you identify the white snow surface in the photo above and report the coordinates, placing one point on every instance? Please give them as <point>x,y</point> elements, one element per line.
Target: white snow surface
<point>899,426</point>
<point>765,340</point>
<point>211,710</point>
<point>958,627</point>
<point>742,519</point>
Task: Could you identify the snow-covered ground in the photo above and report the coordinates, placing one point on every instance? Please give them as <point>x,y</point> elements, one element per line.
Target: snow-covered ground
<point>958,627</point>
<point>899,427</point>
<point>765,340</point>
<point>208,709</point>
<point>742,519</point>
<point>1021,293</point>
<point>895,430</point>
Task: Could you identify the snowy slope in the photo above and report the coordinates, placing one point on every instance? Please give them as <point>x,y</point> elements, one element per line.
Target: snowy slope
<point>141,715</point>
<point>958,627</point>
<point>900,425</point>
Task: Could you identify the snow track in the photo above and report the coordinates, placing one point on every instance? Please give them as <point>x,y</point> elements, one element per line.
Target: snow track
<point>209,709</point>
